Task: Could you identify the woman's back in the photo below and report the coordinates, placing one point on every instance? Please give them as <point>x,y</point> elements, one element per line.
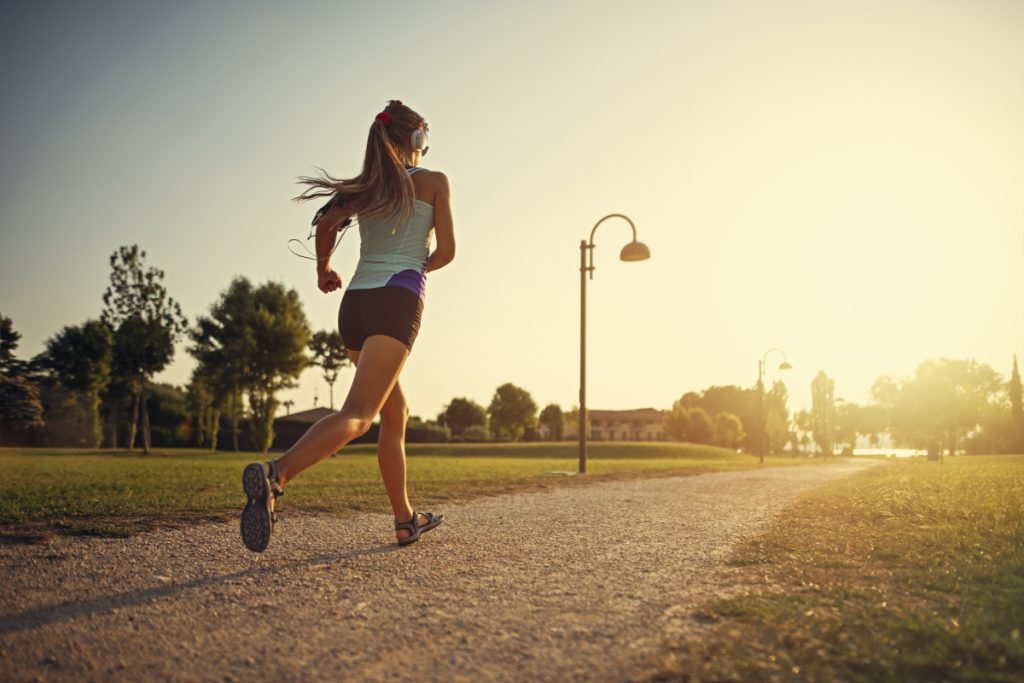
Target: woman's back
<point>393,254</point>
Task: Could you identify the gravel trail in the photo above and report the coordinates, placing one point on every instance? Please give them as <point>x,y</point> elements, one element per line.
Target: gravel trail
<point>574,584</point>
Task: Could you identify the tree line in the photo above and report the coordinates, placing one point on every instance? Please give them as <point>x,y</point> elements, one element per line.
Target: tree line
<point>946,406</point>
<point>93,384</point>
<point>511,415</point>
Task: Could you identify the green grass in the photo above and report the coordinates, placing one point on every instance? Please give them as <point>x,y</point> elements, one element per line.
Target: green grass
<point>907,572</point>
<point>90,491</point>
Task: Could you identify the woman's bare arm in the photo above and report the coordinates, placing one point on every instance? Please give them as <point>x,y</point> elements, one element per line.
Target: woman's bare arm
<point>326,235</point>
<point>444,227</point>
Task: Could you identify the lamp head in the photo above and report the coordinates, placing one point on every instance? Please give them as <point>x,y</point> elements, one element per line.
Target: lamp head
<point>635,251</point>
<point>785,366</point>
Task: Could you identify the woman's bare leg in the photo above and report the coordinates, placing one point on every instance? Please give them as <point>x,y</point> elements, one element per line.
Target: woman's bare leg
<point>391,457</point>
<point>394,416</point>
<point>380,361</point>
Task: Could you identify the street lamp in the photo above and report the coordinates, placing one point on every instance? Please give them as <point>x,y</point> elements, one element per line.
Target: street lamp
<point>760,396</point>
<point>634,251</point>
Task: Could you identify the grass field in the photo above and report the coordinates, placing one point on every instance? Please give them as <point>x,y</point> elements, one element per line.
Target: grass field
<point>118,492</point>
<point>908,572</point>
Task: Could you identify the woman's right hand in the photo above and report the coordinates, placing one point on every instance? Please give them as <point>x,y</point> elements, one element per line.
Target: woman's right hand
<point>328,280</point>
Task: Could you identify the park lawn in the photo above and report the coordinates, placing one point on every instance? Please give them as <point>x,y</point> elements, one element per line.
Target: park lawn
<point>117,493</point>
<point>907,572</point>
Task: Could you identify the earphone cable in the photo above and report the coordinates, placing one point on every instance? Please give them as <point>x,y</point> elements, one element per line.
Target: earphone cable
<point>312,256</point>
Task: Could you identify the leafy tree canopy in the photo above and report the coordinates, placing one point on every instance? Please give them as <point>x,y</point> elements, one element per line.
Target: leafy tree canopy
<point>512,411</point>
<point>462,414</point>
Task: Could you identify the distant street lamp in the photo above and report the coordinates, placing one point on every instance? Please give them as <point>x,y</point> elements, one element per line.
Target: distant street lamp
<point>760,396</point>
<point>634,251</point>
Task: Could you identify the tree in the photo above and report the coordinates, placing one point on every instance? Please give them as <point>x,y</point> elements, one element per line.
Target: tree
<point>223,345</point>
<point>169,415</point>
<point>941,404</point>
<point>20,407</point>
<point>688,421</point>
<point>329,353</point>
<point>822,412</point>
<point>804,427</point>
<point>80,358</point>
<point>848,423</point>
<point>281,334</point>
<point>700,428</point>
<point>743,403</point>
<point>253,343</point>
<point>9,365</point>
<point>728,430</point>
<point>461,414</point>
<point>871,422</point>
<point>476,433</point>
<point>204,402</point>
<point>146,323</point>
<point>552,419</point>
<point>776,418</point>
<point>571,418</point>
<point>512,411</point>
<point>677,422</point>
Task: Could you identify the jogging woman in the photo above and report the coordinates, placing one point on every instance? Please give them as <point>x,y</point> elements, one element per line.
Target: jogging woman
<point>399,207</point>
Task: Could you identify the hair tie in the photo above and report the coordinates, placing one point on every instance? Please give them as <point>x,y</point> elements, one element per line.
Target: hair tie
<point>384,117</point>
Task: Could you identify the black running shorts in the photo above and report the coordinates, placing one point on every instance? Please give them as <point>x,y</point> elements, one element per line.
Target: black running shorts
<point>393,311</point>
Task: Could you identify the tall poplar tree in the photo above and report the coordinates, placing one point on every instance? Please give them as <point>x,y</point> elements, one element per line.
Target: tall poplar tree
<point>146,322</point>
<point>823,412</point>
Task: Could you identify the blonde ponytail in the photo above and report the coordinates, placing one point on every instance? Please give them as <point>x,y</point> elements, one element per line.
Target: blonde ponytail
<point>384,188</point>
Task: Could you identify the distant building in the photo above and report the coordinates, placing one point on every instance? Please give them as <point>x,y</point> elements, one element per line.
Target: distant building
<point>642,424</point>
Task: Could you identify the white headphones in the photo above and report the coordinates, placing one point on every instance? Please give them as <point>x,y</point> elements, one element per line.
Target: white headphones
<point>419,140</point>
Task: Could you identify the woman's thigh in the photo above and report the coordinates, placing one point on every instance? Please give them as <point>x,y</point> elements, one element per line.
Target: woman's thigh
<point>394,408</point>
<point>378,365</point>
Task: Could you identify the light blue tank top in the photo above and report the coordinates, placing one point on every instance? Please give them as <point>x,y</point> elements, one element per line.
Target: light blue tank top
<point>393,255</point>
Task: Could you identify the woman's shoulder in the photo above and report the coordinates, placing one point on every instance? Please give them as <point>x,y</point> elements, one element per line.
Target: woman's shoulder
<point>437,180</point>
<point>431,175</point>
<point>431,186</point>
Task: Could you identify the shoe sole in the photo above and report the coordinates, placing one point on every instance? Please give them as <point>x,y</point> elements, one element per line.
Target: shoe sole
<point>256,524</point>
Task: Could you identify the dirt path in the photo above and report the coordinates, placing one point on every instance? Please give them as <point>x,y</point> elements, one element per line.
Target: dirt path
<point>577,584</point>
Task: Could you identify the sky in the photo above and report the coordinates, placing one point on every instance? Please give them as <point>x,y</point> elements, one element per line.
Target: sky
<point>840,180</point>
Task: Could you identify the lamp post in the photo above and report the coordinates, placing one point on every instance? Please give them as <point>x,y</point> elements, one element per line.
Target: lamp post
<point>760,396</point>
<point>634,251</point>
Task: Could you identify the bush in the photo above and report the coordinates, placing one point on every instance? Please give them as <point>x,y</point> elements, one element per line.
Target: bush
<point>426,432</point>
<point>474,434</point>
